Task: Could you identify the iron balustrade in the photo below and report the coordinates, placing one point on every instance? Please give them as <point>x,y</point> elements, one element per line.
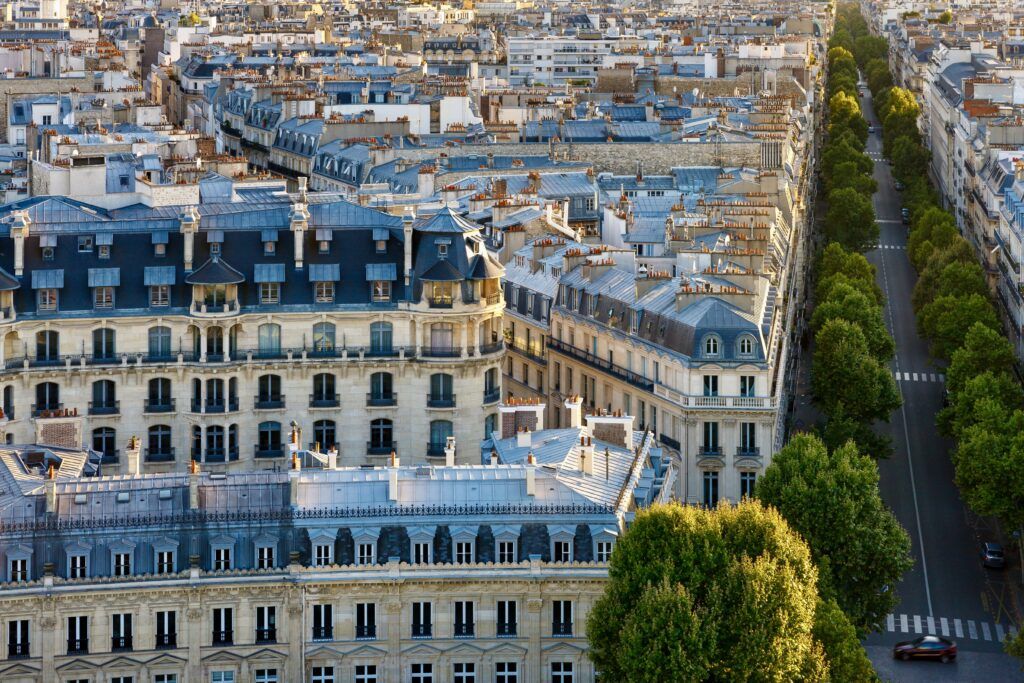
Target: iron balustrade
<point>324,401</point>
<point>602,364</point>
<point>163,405</point>
<point>441,401</point>
<point>381,400</point>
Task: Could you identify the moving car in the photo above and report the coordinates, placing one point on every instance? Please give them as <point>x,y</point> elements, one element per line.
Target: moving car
<point>926,647</point>
<point>992,556</point>
<point>871,129</point>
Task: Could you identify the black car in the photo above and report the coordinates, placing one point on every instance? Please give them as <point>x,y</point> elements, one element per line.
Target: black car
<point>992,556</point>
<point>926,647</point>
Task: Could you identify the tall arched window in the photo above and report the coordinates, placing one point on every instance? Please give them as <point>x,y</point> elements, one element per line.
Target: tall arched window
<point>159,443</point>
<point>103,344</point>
<point>490,425</point>
<point>215,444</point>
<point>215,343</point>
<point>269,392</point>
<point>233,442</point>
<point>323,338</point>
<point>381,436</point>
<point>325,434</point>
<point>47,346</point>
<point>441,395</point>
<point>9,402</point>
<point>47,396</point>
<point>104,440</point>
<point>159,342</point>
<point>269,443</point>
<point>214,396</point>
<point>381,388</point>
<point>159,396</point>
<point>440,430</point>
<point>197,442</point>
<point>324,395</point>
<point>381,338</point>
<point>104,398</point>
<point>269,339</point>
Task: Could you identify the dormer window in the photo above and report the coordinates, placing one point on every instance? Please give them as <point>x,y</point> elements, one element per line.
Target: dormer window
<point>711,347</point>
<point>270,248</point>
<point>381,245</point>
<point>746,346</point>
<point>159,240</point>
<point>47,299</point>
<point>214,248</point>
<point>104,251</point>
<point>103,297</point>
<point>442,251</point>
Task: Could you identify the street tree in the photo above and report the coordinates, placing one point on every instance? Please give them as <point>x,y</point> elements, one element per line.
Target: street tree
<point>991,389</point>
<point>989,465</point>
<point>844,654</point>
<point>850,220</point>
<point>847,174</point>
<point>941,279</point>
<point>832,500</point>
<point>945,321</point>
<point>845,376</point>
<point>848,303</point>
<point>694,594</point>
<point>984,349</point>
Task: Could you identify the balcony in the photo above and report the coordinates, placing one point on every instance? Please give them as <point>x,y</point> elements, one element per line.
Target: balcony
<point>268,451</point>
<point>159,405</point>
<point>435,449</point>
<point>324,400</point>
<point>440,301</point>
<point>536,355</point>
<point>443,402</point>
<point>748,452</point>
<point>78,646</point>
<point>440,352</point>
<point>323,633</point>
<point>388,400</point>
<point>366,631</point>
<point>492,299</point>
<point>422,631</point>
<point>492,395</point>
<point>201,309</point>
<point>266,635</point>
<point>104,408</point>
<point>102,359</point>
<point>223,638</point>
<point>268,402</point>
<point>464,630</point>
<point>561,628</point>
<point>230,130</point>
<point>493,347</point>
<point>120,643</point>
<point>715,402</point>
<point>590,359</point>
<point>43,361</point>
<point>159,455</point>
<point>166,641</point>
<point>17,650</point>
<point>709,452</point>
<point>216,406</point>
<point>45,409</point>
<point>506,630</point>
<point>379,448</point>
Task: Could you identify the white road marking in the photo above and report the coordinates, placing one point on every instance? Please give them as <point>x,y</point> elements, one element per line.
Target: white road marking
<point>986,632</point>
<point>917,623</point>
<point>931,377</point>
<point>942,378</point>
<point>915,376</point>
<point>903,623</point>
<point>972,629</point>
<point>958,628</point>
<point>1000,633</point>
<point>887,220</point>
<point>944,623</point>
<point>890,623</point>
<point>931,625</point>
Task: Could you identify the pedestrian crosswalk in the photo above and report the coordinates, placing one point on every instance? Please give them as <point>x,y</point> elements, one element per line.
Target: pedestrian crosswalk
<point>892,246</point>
<point>951,628</point>
<point>919,377</point>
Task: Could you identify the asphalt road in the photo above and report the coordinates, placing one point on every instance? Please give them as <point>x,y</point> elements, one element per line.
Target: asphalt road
<point>947,581</point>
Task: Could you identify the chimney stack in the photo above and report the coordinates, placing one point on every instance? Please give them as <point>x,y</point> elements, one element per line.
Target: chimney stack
<point>523,438</point>
<point>293,479</point>
<point>50,486</point>
<point>132,455</point>
<point>531,474</point>
<point>395,460</point>
<point>407,221</point>
<point>393,484</point>
<point>586,455</point>
<point>193,486</point>
<point>449,452</point>
<point>574,404</point>
<point>494,457</point>
<point>332,458</point>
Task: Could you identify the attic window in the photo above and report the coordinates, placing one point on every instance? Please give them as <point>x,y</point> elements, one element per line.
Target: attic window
<point>80,499</point>
<point>325,246</point>
<point>269,248</point>
<point>442,251</point>
<point>214,248</point>
<point>84,244</point>
<point>165,494</point>
<point>382,246</point>
<point>123,497</point>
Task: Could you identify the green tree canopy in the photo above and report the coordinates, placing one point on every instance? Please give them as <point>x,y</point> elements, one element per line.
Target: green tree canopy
<point>844,375</point>
<point>942,279</point>
<point>909,159</point>
<point>846,658</point>
<point>991,390</point>
<point>945,321</point>
<point>832,501</point>
<point>847,174</point>
<point>845,302</point>
<point>984,349</point>
<point>693,594</point>
<point>844,113</point>
<point>850,220</point>
<point>989,465</point>
<point>844,151</point>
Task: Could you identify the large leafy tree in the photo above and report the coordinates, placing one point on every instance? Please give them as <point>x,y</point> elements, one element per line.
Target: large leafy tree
<point>846,658</point>
<point>847,174</point>
<point>845,377</point>
<point>708,595</point>
<point>942,278</point>
<point>850,220</point>
<point>984,349</point>
<point>945,321</point>
<point>850,304</point>
<point>832,500</point>
<point>989,462</point>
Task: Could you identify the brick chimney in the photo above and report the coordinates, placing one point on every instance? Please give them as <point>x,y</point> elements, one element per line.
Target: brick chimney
<point>517,413</point>
<point>612,428</point>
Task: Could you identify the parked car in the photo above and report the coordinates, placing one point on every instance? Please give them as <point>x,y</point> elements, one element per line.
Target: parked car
<point>871,129</point>
<point>926,647</point>
<point>905,215</point>
<point>992,556</point>
<point>898,185</point>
